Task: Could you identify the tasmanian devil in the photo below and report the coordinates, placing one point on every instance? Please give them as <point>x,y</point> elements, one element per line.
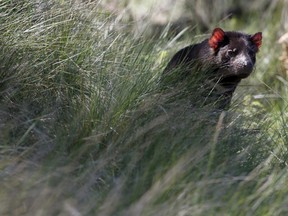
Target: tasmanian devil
<point>225,58</point>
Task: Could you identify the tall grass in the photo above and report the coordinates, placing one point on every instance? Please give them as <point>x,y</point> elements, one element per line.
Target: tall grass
<point>86,129</point>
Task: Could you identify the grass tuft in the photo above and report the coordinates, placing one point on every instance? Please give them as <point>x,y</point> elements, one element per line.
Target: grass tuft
<point>87,129</point>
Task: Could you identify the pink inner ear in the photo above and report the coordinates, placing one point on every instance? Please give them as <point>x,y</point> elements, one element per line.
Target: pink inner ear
<point>257,39</point>
<point>217,37</point>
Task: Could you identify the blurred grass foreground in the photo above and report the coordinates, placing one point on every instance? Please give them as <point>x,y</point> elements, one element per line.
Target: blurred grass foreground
<point>86,130</point>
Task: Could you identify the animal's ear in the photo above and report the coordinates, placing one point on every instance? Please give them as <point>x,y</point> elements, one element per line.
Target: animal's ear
<point>257,39</point>
<point>216,38</point>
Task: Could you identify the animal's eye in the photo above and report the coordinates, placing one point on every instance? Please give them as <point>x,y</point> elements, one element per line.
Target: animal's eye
<point>251,52</point>
<point>232,52</point>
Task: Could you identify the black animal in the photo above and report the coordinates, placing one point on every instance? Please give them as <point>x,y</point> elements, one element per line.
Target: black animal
<point>225,59</point>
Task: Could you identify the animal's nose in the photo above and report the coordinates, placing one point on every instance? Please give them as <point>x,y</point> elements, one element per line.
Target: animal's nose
<point>246,69</point>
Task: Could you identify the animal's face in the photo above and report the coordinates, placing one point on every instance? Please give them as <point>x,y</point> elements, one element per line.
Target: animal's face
<point>235,52</point>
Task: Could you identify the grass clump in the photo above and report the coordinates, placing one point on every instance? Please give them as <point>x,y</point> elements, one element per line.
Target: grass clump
<point>86,128</point>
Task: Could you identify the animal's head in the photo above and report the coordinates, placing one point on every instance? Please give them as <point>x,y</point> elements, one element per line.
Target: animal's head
<point>235,52</point>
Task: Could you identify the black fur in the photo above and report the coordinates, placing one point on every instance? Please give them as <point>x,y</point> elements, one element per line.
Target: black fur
<point>224,66</point>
